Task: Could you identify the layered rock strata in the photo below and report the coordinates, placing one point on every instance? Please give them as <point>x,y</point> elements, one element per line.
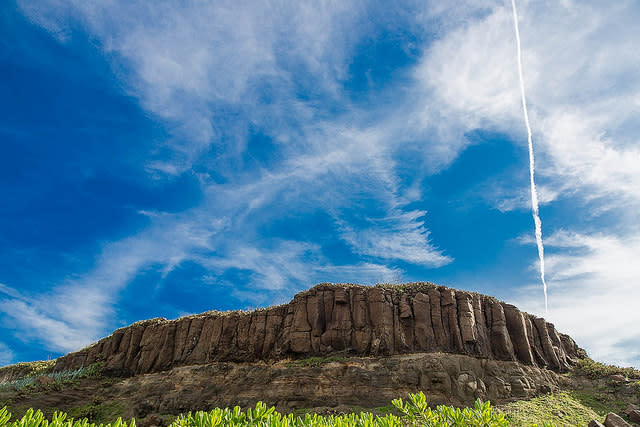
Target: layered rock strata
<point>346,319</point>
<point>328,385</point>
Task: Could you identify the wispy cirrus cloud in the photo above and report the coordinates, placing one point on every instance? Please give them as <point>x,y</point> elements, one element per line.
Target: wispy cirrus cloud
<point>594,283</point>
<point>6,355</point>
<point>74,313</point>
<point>582,92</point>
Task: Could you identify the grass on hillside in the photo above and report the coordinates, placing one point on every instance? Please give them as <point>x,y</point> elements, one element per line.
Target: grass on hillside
<point>25,369</point>
<point>53,379</point>
<point>561,409</point>
<point>597,370</point>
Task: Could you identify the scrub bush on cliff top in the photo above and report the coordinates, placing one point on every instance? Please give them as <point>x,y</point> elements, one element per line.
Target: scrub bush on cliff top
<point>414,412</point>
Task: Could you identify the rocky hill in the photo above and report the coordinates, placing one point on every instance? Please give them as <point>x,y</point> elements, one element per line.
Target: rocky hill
<point>344,319</point>
<point>333,346</point>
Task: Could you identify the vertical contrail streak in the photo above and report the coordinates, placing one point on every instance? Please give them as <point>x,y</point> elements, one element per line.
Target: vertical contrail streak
<point>534,193</point>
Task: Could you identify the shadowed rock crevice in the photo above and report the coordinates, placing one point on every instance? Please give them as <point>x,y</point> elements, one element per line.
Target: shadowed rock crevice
<point>346,319</point>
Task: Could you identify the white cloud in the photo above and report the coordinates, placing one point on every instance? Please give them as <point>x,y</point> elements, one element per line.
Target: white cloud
<point>197,66</point>
<point>582,154</point>
<point>594,289</point>
<point>580,81</point>
<point>473,71</point>
<point>6,355</point>
<point>396,237</point>
<point>505,201</point>
<point>580,72</point>
<point>291,264</point>
<point>74,313</point>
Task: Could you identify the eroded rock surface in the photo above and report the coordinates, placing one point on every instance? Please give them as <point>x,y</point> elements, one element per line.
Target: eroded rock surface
<point>347,319</point>
<point>367,382</point>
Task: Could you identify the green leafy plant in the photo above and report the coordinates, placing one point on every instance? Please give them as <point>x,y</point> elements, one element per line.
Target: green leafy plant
<point>417,412</point>
<point>59,419</point>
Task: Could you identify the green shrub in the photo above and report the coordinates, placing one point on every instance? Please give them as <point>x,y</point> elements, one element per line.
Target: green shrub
<point>59,419</point>
<point>62,377</point>
<point>415,412</point>
<point>596,370</point>
<point>25,369</point>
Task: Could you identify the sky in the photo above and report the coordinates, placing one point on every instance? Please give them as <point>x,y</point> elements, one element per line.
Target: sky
<point>165,158</point>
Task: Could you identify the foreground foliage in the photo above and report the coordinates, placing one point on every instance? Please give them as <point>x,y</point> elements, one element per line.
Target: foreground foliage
<point>59,419</point>
<point>413,412</point>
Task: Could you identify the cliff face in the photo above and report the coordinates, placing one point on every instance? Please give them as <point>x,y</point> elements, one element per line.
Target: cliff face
<point>331,385</point>
<point>350,319</point>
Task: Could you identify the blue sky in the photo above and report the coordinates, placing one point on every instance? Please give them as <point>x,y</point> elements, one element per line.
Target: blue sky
<point>168,158</point>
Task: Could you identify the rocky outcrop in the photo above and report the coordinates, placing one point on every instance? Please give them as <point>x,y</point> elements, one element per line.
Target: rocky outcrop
<point>346,319</point>
<point>340,383</point>
<point>615,420</point>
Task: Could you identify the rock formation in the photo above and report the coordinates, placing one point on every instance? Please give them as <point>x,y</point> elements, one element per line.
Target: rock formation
<point>345,319</point>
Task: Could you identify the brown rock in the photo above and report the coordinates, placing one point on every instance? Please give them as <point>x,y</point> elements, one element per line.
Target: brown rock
<point>200,351</point>
<point>180,343</point>
<point>273,325</point>
<point>500,339</point>
<point>436,319</point>
<point>257,333</point>
<point>351,319</point>
<point>517,328</point>
<point>44,380</point>
<point>618,378</point>
<point>242,337</point>
<point>316,319</point>
<point>483,347</point>
<point>467,321</point>
<point>340,323</point>
<point>547,347</point>
<point>381,315</point>
<point>594,423</point>
<point>301,342</point>
<point>361,337</point>
<point>214,337</point>
<point>634,415</point>
<point>341,296</point>
<point>405,307</point>
<point>614,420</point>
<point>449,308</point>
<point>424,337</point>
<point>534,340</point>
<point>165,354</point>
<point>228,336</point>
<point>363,381</point>
<point>630,407</point>
<point>403,324</point>
<point>150,345</point>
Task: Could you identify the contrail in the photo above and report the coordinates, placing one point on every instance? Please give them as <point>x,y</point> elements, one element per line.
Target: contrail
<point>534,193</point>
